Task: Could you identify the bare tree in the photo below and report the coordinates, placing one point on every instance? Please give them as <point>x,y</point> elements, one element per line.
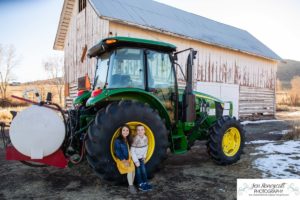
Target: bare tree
<point>54,66</point>
<point>294,91</point>
<point>278,85</point>
<point>8,61</point>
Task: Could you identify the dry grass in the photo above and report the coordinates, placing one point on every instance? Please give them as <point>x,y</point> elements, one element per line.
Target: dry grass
<point>280,107</point>
<point>5,115</point>
<point>42,88</point>
<point>294,134</point>
<point>291,96</point>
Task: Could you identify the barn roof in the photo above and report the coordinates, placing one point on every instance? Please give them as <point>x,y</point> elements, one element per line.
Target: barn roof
<point>158,16</point>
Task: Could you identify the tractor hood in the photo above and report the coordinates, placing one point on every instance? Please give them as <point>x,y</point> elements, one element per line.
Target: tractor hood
<point>206,96</point>
<point>201,95</point>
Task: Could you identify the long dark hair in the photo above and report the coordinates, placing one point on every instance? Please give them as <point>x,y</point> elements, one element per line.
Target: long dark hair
<point>120,137</point>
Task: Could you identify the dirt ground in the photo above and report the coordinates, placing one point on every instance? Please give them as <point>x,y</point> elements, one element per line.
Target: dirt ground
<point>190,176</point>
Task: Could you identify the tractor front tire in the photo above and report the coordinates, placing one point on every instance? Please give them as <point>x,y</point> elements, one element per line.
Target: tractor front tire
<point>226,141</point>
<point>103,131</point>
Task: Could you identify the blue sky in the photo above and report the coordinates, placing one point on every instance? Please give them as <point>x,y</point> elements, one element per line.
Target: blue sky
<point>31,25</point>
<point>276,23</point>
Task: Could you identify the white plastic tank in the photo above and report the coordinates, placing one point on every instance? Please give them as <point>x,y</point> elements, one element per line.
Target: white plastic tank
<point>37,132</point>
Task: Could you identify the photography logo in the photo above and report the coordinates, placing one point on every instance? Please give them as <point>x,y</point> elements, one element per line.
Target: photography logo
<point>281,189</point>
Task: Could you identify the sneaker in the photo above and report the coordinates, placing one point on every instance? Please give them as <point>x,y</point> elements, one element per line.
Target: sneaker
<point>131,189</point>
<point>148,186</point>
<point>142,187</point>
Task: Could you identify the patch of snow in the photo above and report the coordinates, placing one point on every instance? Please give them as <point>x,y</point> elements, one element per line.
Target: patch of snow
<point>260,121</point>
<point>294,114</point>
<point>259,142</point>
<point>287,147</point>
<point>283,132</point>
<point>254,154</point>
<point>222,190</point>
<point>279,160</point>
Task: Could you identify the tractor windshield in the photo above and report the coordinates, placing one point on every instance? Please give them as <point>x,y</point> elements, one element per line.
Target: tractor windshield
<point>126,69</point>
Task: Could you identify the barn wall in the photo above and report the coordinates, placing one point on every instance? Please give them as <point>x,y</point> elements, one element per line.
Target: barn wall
<point>254,75</point>
<point>85,30</point>
<point>213,64</point>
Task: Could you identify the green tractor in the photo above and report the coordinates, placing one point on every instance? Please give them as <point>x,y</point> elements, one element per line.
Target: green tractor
<point>135,83</point>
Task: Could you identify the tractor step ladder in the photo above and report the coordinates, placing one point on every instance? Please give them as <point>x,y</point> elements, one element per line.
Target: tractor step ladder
<point>179,142</point>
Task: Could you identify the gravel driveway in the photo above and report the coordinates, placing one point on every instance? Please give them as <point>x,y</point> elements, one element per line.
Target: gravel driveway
<point>189,176</point>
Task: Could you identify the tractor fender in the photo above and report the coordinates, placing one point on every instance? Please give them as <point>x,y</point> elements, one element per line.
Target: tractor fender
<point>131,94</point>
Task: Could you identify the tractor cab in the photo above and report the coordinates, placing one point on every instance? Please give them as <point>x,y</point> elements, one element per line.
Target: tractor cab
<point>137,64</point>
<point>134,67</point>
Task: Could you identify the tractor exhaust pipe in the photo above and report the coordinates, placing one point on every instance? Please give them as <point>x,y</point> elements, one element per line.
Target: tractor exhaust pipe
<point>189,114</point>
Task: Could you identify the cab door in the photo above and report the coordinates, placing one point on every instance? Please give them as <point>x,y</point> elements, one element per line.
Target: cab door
<point>161,79</point>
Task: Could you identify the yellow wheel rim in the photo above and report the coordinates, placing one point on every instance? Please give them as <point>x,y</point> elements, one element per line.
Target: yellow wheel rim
<point>148,133</point>
<point>231,141</point>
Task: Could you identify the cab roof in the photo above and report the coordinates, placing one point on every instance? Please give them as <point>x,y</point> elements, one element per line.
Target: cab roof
<point>113,42</point>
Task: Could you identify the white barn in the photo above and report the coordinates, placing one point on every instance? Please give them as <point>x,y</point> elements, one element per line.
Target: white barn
<point>231,63</point>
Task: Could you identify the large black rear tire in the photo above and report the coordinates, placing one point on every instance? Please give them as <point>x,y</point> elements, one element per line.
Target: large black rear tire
<point>226,141</point>
<point>107,122</point>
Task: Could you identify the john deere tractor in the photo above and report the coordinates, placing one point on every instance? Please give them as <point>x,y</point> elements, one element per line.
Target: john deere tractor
<point>135,82</point>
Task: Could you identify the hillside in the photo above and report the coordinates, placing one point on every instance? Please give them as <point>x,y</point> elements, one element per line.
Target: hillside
<point>286,71</point>
<point>43,82</point>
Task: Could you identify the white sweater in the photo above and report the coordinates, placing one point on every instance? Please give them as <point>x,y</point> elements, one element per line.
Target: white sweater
<point>139,148</point>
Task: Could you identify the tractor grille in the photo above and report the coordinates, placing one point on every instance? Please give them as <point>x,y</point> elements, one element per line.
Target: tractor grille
<point>219,110</point>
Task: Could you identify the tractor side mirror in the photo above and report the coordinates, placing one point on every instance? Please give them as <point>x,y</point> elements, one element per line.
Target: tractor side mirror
<point>175,57</point>
<point>192,55</point>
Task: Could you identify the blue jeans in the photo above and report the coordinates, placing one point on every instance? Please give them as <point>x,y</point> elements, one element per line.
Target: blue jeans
<point>141,173</point>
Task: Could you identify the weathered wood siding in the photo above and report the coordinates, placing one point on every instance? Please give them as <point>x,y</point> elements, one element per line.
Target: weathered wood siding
<point>256,103</point>
<point>72,94</point>
<point>85,30</point>
<point>256,76</point>
<point>213,64</point>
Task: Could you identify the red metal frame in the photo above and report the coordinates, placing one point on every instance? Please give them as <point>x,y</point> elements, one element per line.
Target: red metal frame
<point>33,102</point>
<point>57,159</point>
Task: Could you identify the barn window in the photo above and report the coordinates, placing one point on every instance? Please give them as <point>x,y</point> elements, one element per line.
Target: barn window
<point>82,5</point>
